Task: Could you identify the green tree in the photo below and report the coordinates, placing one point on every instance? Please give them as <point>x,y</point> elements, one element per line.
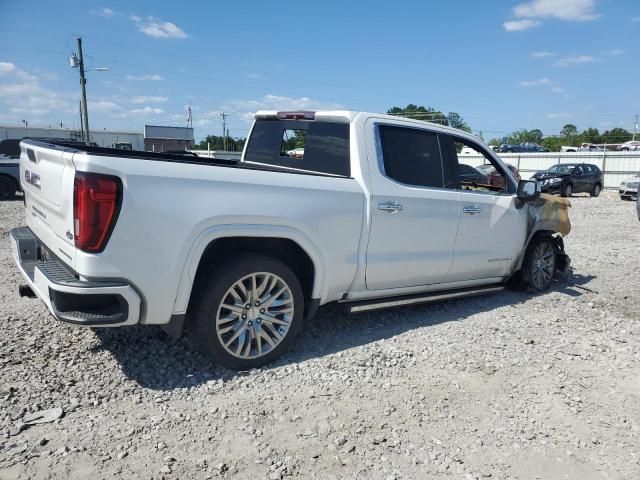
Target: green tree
<point>416,112</point>
<point>495,141</point>
<point>616,135</point>
<point>590,135</point>
<point>524,135</point>
<point>455,120</point>
<point>554,144</point>
<point>217,143</point>
<point>569,131</point>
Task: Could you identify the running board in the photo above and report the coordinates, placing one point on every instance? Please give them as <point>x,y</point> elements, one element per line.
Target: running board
<point>380,303</point>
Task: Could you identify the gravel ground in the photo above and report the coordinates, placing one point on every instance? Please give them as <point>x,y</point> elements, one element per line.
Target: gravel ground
<point>503,386</point>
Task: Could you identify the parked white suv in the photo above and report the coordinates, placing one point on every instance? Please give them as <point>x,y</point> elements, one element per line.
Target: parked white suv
<point>373,214</point>
<point>629,188</point>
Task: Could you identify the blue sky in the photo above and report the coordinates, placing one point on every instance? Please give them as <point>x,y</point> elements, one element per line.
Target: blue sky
<point>504,65</point>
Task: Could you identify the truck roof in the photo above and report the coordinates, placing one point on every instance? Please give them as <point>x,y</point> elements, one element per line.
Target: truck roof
<point>347,116</point>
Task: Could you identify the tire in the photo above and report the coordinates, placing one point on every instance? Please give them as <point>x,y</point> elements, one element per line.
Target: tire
<point>539,265</point>
<point>214,329</point>
<point>625,198</point>
<point>625,149</point>
<point>8,188</point>
<point>595,191</point>
<point>567,190</point>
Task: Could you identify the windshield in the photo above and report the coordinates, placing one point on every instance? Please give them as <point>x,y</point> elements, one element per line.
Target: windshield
<point>562,169</point>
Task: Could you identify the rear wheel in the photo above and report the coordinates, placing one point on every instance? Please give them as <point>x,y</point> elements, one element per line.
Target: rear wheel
<point>567,190</point>
<point>595,191</point>
<point>247,312</point>
<point>539,265</point>
<point>8,188</point>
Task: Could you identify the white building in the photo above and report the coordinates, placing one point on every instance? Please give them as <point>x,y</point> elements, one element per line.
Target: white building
<point>104,138</point>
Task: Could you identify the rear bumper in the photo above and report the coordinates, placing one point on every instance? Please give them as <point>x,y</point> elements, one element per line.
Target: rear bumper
<point>69,298</point>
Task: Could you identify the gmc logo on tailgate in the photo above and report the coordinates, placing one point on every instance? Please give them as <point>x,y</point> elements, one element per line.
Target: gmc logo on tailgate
<point>32,178</point>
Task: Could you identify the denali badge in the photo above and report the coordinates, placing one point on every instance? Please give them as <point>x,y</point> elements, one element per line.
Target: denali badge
<point>32,178</point>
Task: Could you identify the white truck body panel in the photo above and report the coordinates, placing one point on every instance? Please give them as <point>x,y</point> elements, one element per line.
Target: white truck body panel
<point>171,211</point>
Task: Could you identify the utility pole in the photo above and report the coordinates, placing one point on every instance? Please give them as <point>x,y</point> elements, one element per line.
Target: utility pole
<point>83,83</point>
<point>224,131</point>
<point>81,127</point>
<point>635,128</point>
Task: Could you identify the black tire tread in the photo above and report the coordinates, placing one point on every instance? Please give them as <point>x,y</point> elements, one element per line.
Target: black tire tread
<point>527,264</point>
<point>213,283</point>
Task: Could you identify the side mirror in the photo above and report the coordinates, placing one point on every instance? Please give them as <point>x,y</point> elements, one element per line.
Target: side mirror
<point>528,190</point>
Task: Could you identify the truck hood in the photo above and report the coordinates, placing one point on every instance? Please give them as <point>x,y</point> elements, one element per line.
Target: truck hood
<point>550,213</point>
<point>546,175</point>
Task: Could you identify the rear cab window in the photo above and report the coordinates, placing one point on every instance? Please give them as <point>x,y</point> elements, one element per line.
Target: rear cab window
<point>304,145</point>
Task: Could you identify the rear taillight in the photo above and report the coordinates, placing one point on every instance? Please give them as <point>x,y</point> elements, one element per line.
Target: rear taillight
<point>96,202</point>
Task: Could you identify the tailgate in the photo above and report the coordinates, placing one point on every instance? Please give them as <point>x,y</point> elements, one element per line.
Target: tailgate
<point>46,175</point>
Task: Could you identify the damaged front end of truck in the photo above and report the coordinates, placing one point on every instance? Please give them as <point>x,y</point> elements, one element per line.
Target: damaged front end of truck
<point>549,215</point>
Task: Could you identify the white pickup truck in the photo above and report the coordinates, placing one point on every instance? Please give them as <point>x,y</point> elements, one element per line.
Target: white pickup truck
<point>373,214</point>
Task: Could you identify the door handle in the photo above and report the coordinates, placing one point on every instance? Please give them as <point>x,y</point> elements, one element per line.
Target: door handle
<point>471,209</point>
<point>391,207</point>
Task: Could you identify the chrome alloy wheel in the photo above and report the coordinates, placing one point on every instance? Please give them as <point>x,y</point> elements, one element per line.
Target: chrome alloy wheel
<point>543,265</point>
<point>254,315</point>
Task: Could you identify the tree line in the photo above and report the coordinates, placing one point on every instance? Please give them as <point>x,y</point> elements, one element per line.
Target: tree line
<point>218,143</point>
<point>569,135</point>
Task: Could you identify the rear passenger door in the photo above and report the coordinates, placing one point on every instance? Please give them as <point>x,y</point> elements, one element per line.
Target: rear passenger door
<point>414,219</point>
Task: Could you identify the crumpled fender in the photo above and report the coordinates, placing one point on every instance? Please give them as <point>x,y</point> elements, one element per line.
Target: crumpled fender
<point>549,212</point>
<point>546,213</point>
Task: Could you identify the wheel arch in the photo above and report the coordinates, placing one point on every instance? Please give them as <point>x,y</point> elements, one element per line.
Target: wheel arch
<point>288,245</point>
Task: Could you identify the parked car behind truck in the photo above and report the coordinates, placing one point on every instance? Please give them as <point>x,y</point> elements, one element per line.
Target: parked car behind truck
<point>9,177</point>
<point>569,178</point>
<point>373,214</point>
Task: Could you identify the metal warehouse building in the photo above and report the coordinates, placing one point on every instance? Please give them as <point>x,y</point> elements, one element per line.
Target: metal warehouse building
<point>161,139</point>
<point>104,138</point>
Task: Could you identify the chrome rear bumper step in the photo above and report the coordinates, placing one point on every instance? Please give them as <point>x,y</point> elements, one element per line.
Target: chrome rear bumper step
<point>378,304</point>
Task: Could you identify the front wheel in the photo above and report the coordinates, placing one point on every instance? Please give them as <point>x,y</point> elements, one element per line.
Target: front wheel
<point>247,312</point>
<point>539,265</point>
<point>595,191</point>
<point>567,190</point>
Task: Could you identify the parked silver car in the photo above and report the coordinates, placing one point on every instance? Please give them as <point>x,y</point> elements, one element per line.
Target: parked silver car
<point>630,146</point>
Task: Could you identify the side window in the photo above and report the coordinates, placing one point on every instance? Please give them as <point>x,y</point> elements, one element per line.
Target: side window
<point>411,156</point>
<point>488,177</point>
<point>313,146</point>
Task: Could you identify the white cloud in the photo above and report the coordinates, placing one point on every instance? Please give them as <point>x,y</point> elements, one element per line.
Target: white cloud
<point>535,83</point>
<point>568,10</point>
<point>543,54</point>
<point>519,25</point>
<point>575,60</point>
<point>614,52</point>
<point>146,111</point>
<point>103,12</point>
<point>530,13</point>
<point>279,102</point>
<point>558,115</point>
<point>24,94</point>
<point>149,99</point>
<point>158,29</point>
<point>154,77</point>
<point>9,70</point>
<point>253,75</point>
<point>103,106</point>
<point>635,19</point>
<point>557,89</point>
